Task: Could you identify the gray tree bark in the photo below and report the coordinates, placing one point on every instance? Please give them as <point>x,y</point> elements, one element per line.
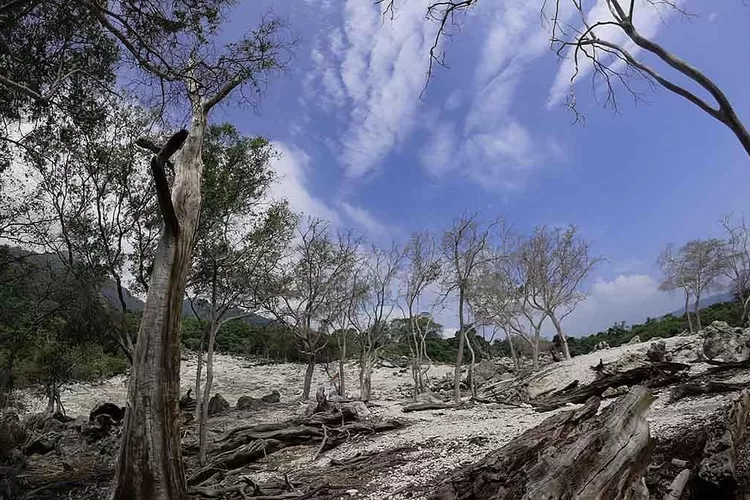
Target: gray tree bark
<point>149,464</point>
<point>460,355</point>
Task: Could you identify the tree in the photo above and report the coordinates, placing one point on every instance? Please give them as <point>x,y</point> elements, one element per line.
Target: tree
<point>306,287</point>
<point>556,261</point>
<point>422,271</point>
<point>696,267</point>
<point>465,248</point>
<point>608,40</point>
<point>240,238</point>
<point>372,309</point>
<point>737,261</point>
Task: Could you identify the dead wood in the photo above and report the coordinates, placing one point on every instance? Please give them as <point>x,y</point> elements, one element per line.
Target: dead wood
<point>428,405</point>
<point>692,389</point>
<point>676,487</point>
<point>653,375</point>
<point>574,454</point>
<point>717,472</point>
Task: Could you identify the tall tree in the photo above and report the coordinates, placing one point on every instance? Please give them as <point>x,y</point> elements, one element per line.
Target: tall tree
<point>422,271</point>
<point>372,311</point>
<point>240,238</point>
<point>307,292</point>
<point>609,42</point>
<point>557,262</point>
<point>737,261</point>
<point>697,267</point>
<point>465,248</point>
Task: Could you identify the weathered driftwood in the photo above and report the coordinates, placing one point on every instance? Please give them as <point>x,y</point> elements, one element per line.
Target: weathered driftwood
<point>574,454</point>
<point>710,387</point>
<point>652,375</point>
<point>428,405</point>
<point>717,472</point>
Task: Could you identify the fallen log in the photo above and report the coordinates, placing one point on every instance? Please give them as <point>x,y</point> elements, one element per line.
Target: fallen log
<point>574,454</point>
<point>652,375</point>
<point>717,472</point>
<point>428,405</point>
<point>685,390</point>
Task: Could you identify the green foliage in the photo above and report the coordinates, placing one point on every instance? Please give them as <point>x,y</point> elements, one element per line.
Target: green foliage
<point>667,326</point>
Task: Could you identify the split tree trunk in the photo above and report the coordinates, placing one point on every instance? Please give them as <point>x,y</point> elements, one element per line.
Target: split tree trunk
<point>149,464</point>
<point>561,335</point>
<point>460,355</point>
<point>574,454</point>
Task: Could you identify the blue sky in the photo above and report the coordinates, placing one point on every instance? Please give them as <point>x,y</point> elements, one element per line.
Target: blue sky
<point>360,149</point>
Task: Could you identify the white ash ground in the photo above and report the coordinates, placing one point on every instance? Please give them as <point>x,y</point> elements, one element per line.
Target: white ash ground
<point>442,439</point>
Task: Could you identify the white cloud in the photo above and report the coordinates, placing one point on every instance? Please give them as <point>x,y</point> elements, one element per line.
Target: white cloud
<point>629,297</point>
<point>437,154</point>
<point>291,169</point>
<point>375,230</point>
<point>649,17</point>
<point>381,66</point>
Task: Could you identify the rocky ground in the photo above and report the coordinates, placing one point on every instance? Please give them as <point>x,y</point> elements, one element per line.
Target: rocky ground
<point>432,444</point>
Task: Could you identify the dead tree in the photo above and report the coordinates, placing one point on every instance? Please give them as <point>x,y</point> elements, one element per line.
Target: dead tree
<point>574,454</point>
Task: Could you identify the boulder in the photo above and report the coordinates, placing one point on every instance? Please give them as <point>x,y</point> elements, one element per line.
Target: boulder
<point>726,344</point>
<point>601,346</point>
<point>484,371</point>
<point>12,433</point>
<point>613,392</point>
<point>115,412</point>
<point>217,404</point>
<point>634,340</point>
<point>274,397</point>
<point>99,428</point>
<point>247,402</point>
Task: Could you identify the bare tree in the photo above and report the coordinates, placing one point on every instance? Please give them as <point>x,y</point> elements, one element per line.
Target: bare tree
<point>737,261</point>
<point>307,287</point>
<point>696,267</point>
<point>372,311</point>
<point>465,248</point>
<point>422,271</point>
<point>590,41</point>
<point>557,261</point>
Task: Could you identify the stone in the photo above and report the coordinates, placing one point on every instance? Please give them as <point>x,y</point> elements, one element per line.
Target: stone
<point>601,346</point>
<point>217,404</point>
<point>274,397</point>
<point>657,351</point>
<point>41,444</point>
<point>634,340</point>
<point>115,412</point>
<point>247,402</point>
<point>724,343</point>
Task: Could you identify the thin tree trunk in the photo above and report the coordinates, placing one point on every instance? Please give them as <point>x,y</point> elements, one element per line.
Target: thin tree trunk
<point>308,377</point>
<point>561,335</point>
<point>203,420</point>
<point>697,313</point>
<point>512,351</point>
<point>472,383</point>
<point>149,464</point>
<point>460,354</point>
<point>535,349</point>
<point>687,312</point>
<point>342,362</point>
<point>198,372</point>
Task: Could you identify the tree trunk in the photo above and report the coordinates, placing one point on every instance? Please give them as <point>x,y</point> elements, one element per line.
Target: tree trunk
<point>198,372</point>
<point>687,312</point>
<point>203,420</point>
<point>342,362</point>
<point>535,349</point>
<point>697,313</point>
<point>149,464</point>
<point>513,354</point>
<point>460,354</point>
<point>308,377</point>
<point>561,335</point>
<point>365,390</point>
<point>472,382</point>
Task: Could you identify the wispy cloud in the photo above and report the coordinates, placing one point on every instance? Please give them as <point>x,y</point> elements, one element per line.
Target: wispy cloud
<point>380,64</point>
<point>375,230</point>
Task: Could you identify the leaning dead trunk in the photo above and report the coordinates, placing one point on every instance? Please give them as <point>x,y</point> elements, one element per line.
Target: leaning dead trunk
<point>574,454</point>
<point>149,464</point>
<point>561,335</point>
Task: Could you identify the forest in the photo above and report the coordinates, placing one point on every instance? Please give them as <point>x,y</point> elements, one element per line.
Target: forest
<point>138,228</point>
